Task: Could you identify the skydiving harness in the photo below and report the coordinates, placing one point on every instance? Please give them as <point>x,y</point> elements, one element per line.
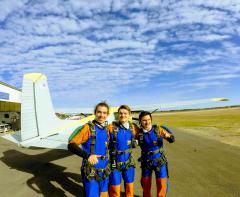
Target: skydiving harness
<point>89,170</point>
<point>122,166</point>
<point>152,164</point>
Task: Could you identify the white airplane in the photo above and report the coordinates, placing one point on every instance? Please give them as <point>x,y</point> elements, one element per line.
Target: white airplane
<point>40,127</point>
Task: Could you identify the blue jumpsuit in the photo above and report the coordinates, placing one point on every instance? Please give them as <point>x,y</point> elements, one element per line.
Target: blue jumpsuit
<point>93,187</point>
<point>151,148</point>
<point>122,146</point>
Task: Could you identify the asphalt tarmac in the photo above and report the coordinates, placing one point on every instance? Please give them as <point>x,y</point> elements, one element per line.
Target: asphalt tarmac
<point>198,167</point>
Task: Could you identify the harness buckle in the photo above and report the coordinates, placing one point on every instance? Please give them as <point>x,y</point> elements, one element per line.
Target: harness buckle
<point>92,173</point>
<point>103,157</point>
<point>114,165</point>
<point>151,153</point>
<point>121,152</point>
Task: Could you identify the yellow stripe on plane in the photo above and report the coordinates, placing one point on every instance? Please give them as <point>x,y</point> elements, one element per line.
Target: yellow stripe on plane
<point>219,99</point>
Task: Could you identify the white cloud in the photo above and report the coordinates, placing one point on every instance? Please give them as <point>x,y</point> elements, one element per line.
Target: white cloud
<point>119,43</point>
<point>221,77</point>
<point>8,7</point>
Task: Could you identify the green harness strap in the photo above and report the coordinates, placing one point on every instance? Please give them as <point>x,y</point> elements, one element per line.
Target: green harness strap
<point>75,132</point>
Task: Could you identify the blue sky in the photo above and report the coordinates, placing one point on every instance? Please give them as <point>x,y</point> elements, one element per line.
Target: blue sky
<point>132,52</point>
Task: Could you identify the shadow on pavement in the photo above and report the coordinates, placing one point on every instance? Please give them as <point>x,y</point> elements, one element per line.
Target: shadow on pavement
<point>45,175</point>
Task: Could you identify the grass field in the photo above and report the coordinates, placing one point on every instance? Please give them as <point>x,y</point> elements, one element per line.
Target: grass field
<point>221,124</point>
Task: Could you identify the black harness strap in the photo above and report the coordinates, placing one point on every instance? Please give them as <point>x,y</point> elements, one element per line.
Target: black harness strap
<point>93,137</point>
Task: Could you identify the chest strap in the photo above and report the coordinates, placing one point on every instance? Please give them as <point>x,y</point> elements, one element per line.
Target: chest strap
<point>123,152</point>
<point>146,153</point>
<point>103,157</point>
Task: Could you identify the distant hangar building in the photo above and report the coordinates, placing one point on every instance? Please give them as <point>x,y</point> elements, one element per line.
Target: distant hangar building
<point>10,107</point>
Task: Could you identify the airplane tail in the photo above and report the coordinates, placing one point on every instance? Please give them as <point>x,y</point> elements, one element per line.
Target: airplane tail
<point>38,116</point>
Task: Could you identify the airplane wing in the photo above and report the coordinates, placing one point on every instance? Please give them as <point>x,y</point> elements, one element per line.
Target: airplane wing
<point>174,105</point>
<point>148,107</point>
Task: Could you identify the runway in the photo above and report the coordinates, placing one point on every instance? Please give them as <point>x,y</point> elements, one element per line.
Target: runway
<point>198,167</point>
